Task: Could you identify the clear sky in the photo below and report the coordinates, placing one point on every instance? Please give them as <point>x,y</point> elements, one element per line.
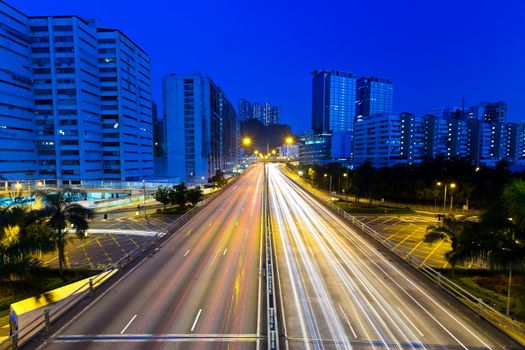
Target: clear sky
<point>436,51</point>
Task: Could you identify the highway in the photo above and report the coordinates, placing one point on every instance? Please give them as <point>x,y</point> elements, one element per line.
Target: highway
<point>200,289</point>
<point>341,291</point>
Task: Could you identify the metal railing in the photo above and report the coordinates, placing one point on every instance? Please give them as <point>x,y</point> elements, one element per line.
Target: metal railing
<point>505,323</point>
<point>41,323</point>
<point>271,303</point>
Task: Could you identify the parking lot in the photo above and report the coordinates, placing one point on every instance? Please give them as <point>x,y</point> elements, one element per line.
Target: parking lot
<point>406,233</point>
<point>112,240</point>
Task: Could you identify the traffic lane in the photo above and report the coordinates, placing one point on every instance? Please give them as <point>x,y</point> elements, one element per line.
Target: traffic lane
<point>377,284</point>
<point>410,299</point>
<point>457,327</point>
<point>449,319</point>
<point>174,342</point>
<point>125,297</point>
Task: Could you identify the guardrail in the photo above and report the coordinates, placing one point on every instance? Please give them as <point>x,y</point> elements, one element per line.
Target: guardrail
<point>42,322</point>
<point>504,323</point>
<point>271,304</point>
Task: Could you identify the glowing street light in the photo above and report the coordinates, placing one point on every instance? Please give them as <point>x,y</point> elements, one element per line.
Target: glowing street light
<point>300,173</point>
<point>246,141</point>
<point>289,140</point>
<point>256,152</point>
<point>273,152</point>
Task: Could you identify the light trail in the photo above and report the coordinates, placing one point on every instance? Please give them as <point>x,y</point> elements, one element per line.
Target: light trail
<point>328,263</point>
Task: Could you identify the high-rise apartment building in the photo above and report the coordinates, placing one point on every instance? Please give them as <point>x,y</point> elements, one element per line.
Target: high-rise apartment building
<point>87,100</point>
<point>245,110</point>
<point>17,128</point>
<point>266,113</point>
<point>495,112</point>
<point>333,101</point>
<point>275,115</point>
<point>201,128</point>
<point>374,96</point>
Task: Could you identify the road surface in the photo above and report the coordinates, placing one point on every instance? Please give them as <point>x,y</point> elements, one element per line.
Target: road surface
<point>199,290</point>
<point>342,292</point>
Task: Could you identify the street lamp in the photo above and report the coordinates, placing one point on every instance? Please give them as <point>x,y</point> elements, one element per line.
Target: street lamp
<point>274,152</point>
<point>330,187</point>
<point>289,140</point>
<point>438,184</point>
<point>300,173</point>
<point>311,173</point>
<point>339,185</point>
<point>144,195</point>
<point>246,141</point>
<point>452,186</point>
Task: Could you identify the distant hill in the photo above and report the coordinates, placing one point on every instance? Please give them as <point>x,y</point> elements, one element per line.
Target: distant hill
<point>273,135</point>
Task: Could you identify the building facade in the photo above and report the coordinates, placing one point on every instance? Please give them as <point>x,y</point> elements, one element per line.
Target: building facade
<point>87,100</point>
<point>18,158</point>
<point>333,101</point>
<point>374,96</point>
<point>201,129</point>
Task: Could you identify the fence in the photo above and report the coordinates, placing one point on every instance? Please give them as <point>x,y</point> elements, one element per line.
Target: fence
<point>505,323</point>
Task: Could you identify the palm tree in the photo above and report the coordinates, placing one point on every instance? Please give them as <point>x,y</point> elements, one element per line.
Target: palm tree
<point>514,202</point>
<point>60,212</point>
<point>21,236</point>
<point>450,229</point>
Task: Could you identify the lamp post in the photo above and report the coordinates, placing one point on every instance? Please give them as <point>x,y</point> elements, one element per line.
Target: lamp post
<point>30,196</point>
<point>438,184</point>
<point>144,195</point>
<point>452,186</point>
<point>339,185</point>
<point>311,173</point>
<point>330,187</point>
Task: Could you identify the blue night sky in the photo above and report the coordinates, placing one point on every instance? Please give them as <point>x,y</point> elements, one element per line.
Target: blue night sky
<point>436,52</point>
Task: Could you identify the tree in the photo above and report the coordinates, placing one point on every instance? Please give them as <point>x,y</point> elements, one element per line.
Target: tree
<point>178,195</point>
<point>162,195</point>
<point>194,195</point>
<point>450,230</point>
<point>60,213</point>
<point>514,202</point>
<point>219,180</point>
<point>21,236</point>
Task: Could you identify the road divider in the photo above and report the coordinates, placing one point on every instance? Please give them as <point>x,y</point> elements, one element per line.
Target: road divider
<point>272,309</point>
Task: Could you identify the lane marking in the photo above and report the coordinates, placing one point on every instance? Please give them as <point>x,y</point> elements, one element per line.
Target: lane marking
<point>187,252</point>
<point>196,320</point>
<point>224,253</point>
<point>348,321</point>
<point>132,319</point>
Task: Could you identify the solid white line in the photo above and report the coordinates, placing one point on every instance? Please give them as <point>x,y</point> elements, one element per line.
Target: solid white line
<point>224,253</point>
<point>196,319</point>
<point>187,252</point>
<point>348,321</point>
<point>132,319</point>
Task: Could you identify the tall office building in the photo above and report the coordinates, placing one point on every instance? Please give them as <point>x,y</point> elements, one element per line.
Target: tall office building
<point>17,127</point>
<point>333,101</point>
<point>201,128</point>
<point>245,110</point>
<point>88,95</point>
<point>374,96</point>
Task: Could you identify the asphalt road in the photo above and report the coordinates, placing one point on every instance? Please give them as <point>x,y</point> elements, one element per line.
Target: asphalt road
<point>199,290</point>
<point>340,291</point>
